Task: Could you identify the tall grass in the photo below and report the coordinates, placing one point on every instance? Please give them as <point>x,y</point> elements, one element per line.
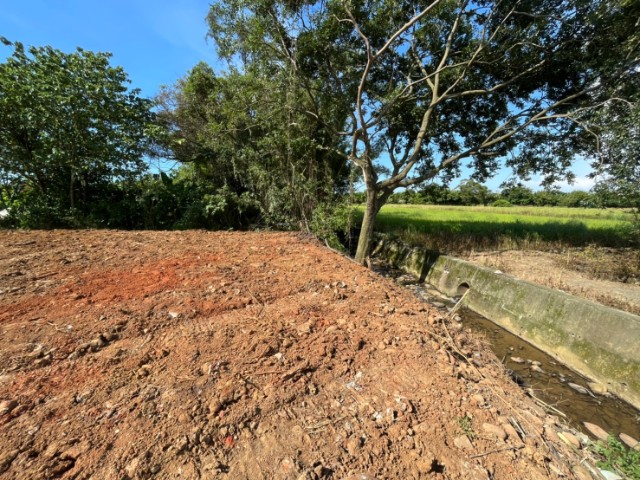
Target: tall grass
<point>459,230</point>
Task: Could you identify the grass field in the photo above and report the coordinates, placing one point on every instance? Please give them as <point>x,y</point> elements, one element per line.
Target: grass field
<point>452,229</point>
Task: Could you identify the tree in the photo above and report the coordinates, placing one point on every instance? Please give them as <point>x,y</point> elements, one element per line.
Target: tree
<point>429,85</point>
<point>473,193</point>
<point>245,132</point>
<point>518,194</point>
<point>69,126</point>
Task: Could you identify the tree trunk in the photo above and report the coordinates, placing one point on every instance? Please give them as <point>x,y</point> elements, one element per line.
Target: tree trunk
<point>368,223</point>
<point>72,182</point>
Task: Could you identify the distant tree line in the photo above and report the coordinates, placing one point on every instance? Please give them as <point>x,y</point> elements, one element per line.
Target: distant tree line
<point>472,193</point>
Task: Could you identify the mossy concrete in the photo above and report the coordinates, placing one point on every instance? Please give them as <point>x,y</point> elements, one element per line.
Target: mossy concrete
<point>597,341</point>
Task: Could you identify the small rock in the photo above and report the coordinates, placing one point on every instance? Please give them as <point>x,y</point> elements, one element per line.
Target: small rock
<point>438,304</point>
<point>288,467</point>
<point>51,450</point>
<point>74,452</point>
<point>608,475</point>
<point>550,434</point>
<point>579,388</point>
<point>598,388</point>
<point>304,328</point>
<point>494,430</point>
<point>181,444</point>
<point>556,470</point>
<point>463,442</point>
<point>596,431</point>
<point>97,344</point>
<point>510,431</point>
<point>6,459</point>
<point>206,368</point>
<point>570,439</point>
<point>37,353</point>
<point>477,399</point>
<point>7,405</point>
<point>215,406</point>
<point>629,441</point>
<point>582,473</point>
<point>536,368</point>
<point>143,371</point>
<point>131,467</point>
<point>109,336</point>
<point>44,361</point>
<point>517,359</point>
<point>535,363</point>
<point>354,445</point>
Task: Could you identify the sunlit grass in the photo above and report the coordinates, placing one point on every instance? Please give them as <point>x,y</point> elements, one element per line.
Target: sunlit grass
<point>452,229</point>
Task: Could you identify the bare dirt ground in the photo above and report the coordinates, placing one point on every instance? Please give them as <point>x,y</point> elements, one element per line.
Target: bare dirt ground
<point>129,355</point>
<point>566,272</point>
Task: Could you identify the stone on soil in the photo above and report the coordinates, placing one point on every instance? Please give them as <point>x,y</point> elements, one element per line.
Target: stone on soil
<point>7,405</point>
<point>596,431</point>
<point>629,441</point>
<point>463,442</point>
<point>494,430</point>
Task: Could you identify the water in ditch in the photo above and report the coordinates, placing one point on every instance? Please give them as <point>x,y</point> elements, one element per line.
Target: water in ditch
<point>532,368</point>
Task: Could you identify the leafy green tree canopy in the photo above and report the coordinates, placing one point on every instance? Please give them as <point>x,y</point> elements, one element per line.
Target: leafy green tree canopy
<point>69,125</point>
<point>246,132</point>
<point>431,85</point>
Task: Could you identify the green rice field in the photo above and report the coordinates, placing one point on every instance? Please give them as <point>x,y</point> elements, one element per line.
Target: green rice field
<point>452,228</point>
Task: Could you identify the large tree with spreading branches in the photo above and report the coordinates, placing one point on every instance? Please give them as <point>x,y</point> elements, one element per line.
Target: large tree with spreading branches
<point>434,86</point>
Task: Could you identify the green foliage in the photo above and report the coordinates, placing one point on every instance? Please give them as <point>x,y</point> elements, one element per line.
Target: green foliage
<point>248,138</point>
<point>617,457</point>
<point>473,193</point>
<point>432,85</point>
<point>518,195</point>
<point>577,199</point>
<point>333,224</point>
<point>501,203</point>
<point>69,129</point>
<point>466,427</point>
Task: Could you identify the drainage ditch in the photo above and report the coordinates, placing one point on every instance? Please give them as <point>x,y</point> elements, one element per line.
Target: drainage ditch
<point>553,383</point>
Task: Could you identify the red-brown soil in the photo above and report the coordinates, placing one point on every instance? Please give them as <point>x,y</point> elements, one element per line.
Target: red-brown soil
<point>244,356</point>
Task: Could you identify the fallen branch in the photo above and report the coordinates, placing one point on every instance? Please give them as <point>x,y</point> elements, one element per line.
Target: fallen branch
<point>499,450</point>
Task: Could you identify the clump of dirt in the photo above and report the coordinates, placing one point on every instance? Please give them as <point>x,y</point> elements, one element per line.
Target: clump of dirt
<point>244,355</point>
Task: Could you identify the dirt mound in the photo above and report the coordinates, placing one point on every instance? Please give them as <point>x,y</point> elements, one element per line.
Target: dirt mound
<point>244,355</point>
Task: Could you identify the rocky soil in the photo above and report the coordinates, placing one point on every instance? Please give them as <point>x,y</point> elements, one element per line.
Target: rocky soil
<point>132,355</point>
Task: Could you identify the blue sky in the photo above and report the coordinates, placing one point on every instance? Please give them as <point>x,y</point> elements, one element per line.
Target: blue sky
<point>155,41</point>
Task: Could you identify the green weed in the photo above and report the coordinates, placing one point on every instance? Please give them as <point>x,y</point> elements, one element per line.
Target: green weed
<point>615,456</point>
<point>466,427</point>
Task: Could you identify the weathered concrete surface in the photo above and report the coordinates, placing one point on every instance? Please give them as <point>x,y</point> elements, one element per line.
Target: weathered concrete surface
<point>597,341</point>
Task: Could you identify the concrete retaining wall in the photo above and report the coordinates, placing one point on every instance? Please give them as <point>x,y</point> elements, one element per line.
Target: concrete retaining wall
<point>597,341</point>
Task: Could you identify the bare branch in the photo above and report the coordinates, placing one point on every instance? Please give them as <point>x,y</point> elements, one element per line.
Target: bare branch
<point>406,27</point>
